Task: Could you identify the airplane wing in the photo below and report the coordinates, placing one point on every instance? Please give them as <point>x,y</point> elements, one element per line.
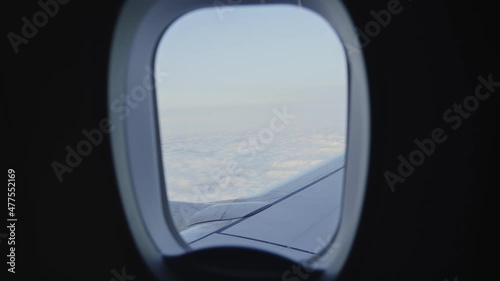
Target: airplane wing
<point>292,219</point>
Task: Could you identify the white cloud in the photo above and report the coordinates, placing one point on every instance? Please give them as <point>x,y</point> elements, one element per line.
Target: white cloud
<point>213,165</point>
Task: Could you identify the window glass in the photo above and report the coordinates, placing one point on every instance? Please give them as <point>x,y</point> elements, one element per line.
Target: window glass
<point>249,99</point>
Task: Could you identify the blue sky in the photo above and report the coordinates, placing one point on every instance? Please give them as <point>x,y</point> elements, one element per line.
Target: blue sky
<point>256,55</point>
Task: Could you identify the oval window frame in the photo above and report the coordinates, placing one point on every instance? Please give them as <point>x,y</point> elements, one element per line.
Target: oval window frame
<point>136,142</point>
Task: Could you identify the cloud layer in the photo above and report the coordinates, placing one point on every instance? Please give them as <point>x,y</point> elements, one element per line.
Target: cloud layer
<point>228,165</point>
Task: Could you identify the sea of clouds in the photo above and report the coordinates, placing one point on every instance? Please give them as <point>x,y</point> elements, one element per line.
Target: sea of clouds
<point>236,163</point>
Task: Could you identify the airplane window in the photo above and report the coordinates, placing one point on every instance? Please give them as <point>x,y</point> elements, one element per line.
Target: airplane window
<point>252,110</point>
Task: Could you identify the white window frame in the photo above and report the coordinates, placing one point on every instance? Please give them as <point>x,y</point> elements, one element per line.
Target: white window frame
<point>135,138</point>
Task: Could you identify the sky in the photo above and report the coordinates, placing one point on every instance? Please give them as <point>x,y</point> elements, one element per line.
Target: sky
<point>228,78</point>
